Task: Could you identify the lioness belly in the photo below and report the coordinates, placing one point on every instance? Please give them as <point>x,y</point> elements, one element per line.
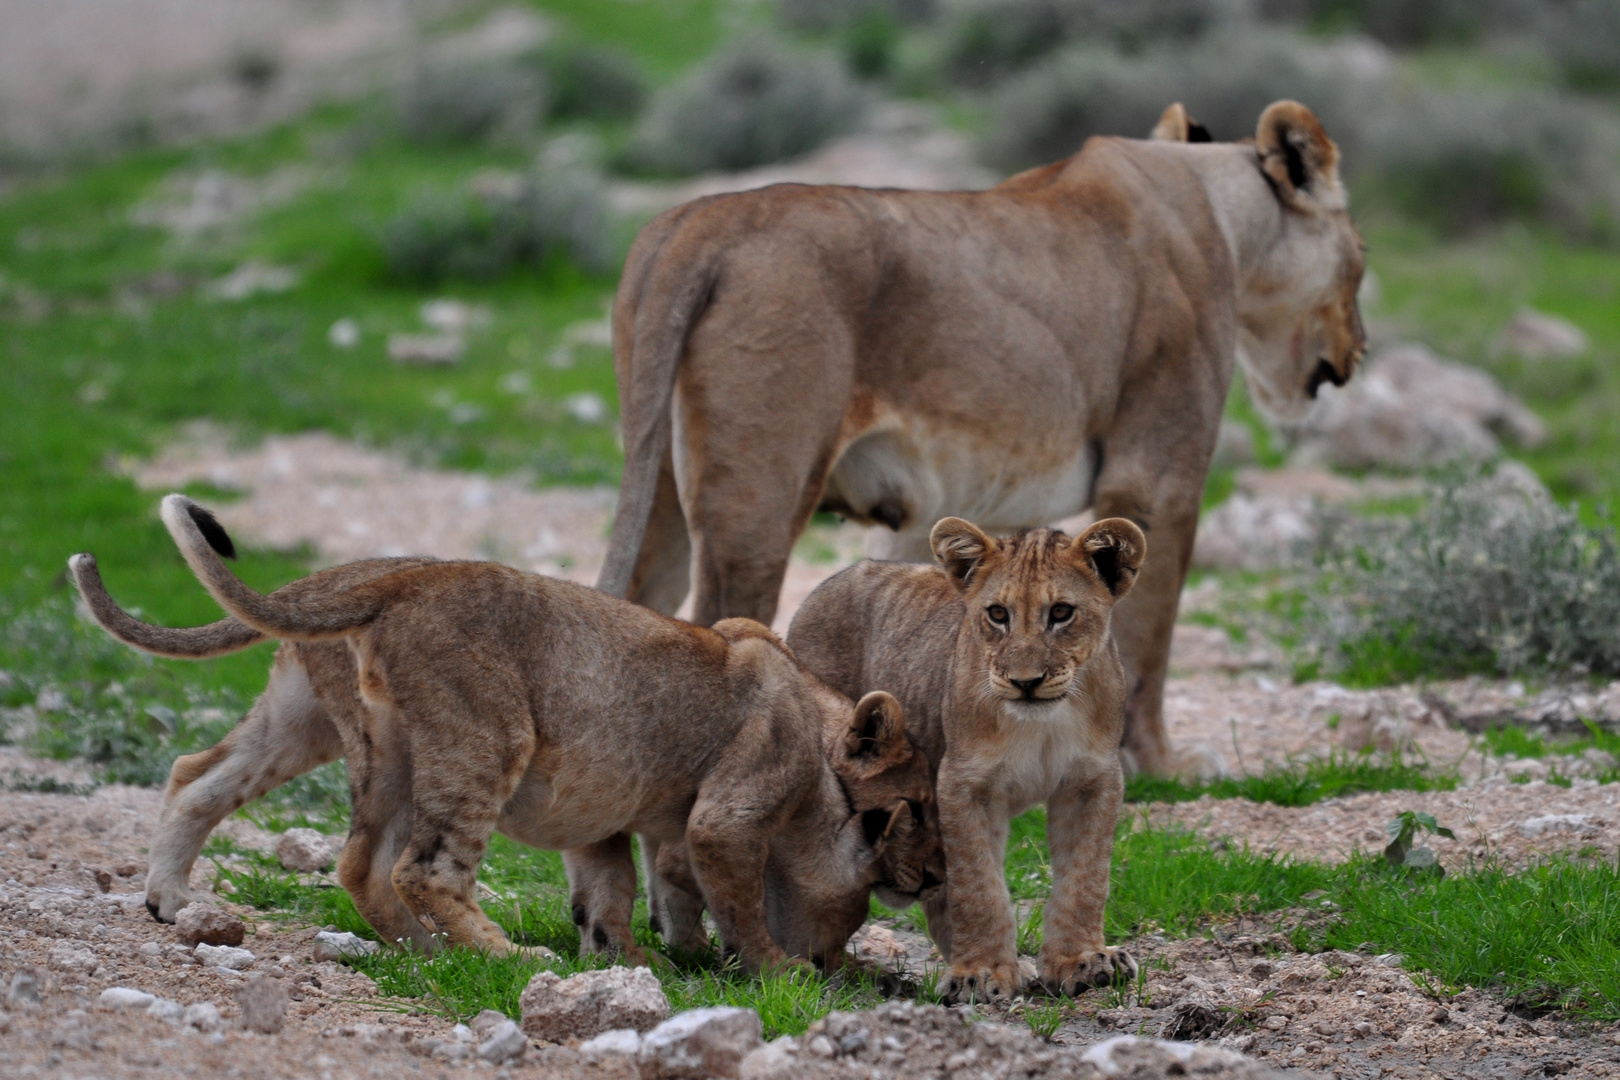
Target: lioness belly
<point>908,474</point>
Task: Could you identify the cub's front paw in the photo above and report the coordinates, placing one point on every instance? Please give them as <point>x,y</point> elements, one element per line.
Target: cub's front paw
<point>1069,975</point>
<point>164,901</point>
<point>968,983</point>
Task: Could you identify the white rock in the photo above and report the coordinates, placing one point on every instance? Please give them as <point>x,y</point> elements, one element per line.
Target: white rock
<point>67,957</point>
<point>125,997</point>
<point>224,956</point>
<point>201,924</point>
<point>202,1016</point>
<point>340,944</point>
<point>430,350</point>
<point>586,407</point>
<point>305,851</point>
<point>344,334</point>
<point>163,1009</point>
<point>505,1043</point>
<point>585,1005</point>
<point>700,1043</point>
<point>1254,533</point>
<point>461,1033</point>
<point>1551,823</point>
<point>453,316</point>
<point>51,700</point>
<point>1536,335</point>
<point>252,278</point>
<point>775,1059</point>
<point>1412,409</point>
<point>625,1041</point>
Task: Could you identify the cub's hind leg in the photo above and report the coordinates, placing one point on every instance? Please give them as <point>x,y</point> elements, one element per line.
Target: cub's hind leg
<point>285,734</point>
<point>602,897</point>
<point>454,812</point>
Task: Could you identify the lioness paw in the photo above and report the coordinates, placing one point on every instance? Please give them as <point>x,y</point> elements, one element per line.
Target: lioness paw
<point>967,984</point>
<point>1068,976</point>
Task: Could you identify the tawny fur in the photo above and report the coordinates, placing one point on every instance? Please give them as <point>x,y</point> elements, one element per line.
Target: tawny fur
<point>1062,341</point>
<point>469,697</point>
<point>1002,659</point>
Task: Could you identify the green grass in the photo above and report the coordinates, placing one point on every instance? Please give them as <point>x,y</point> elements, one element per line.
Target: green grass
<point>1301,783</point>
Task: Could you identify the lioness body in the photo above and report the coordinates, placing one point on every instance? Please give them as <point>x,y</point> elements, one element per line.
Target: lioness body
<point>1061,341</point>
<point>469,697</point>
<point>1005,667</point>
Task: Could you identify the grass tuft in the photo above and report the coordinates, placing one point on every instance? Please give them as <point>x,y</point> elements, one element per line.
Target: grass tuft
<point>1301,783</point>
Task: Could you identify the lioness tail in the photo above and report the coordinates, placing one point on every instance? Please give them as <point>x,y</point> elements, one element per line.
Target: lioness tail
<point>188,643</point>
<point>670,303</point>
<point>201,540</point>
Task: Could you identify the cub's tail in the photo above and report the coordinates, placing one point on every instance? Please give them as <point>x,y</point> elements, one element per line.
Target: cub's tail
<point>189,643</point>
<point>202,541</point>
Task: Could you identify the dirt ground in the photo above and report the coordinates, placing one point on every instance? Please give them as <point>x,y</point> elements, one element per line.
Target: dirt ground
<point>71,913</point>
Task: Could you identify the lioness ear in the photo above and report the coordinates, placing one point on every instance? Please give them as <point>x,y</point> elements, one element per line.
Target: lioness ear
<point>1298,157</point>
<point>960,548</point>
<point>1176,126</point>
<point>876,738</point>
<point>1115,548</point>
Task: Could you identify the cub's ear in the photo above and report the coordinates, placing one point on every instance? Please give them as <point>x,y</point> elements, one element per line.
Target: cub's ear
<point>1176,126</point>
<point>960,548</point>
<point>878,824</point>
<point>1115,548</point>
<point>876,738</point>
<point>1298,157</point>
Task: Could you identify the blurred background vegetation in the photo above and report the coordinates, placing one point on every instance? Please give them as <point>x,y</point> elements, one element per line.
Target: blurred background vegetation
<point>156,269</point>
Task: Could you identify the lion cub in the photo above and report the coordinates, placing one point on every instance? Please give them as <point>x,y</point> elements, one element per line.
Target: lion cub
<point>1002,659</point>
<point>470,697</point>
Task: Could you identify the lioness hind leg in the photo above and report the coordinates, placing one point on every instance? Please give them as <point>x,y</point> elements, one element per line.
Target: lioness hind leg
<point>602,897</point>
<point>285,734</point>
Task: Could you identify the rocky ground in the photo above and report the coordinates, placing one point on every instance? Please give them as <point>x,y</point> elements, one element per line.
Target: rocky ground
<point>72,924</point>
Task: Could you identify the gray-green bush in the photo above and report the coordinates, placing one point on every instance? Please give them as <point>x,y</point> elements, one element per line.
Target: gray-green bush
<point>590,82</point>
<point>752,104</point>
<point>986,40</point>
<point>549,213</point>
<point>466,103</point>
<point>1486,578</point>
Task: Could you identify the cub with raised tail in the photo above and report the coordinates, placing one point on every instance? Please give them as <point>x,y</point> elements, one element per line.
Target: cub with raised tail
<point>1002,659</point>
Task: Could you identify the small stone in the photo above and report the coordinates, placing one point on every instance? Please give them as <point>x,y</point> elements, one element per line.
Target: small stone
<point>68,957</point>
<point>104,880</point>
<point>1275,1023</point>
<point>452,1051</point>
<point>487,1021</point>
<point>505,1042</point>
<point>344,334</point>
<point>700,1043</point>
<point>332,945</point>
<point>623,1041</point>
<point>429,350</point>
<point>202,1016</point>
<point>151,948</point>
<point>1535,335</point>
<point>1551,823</point>
<point>585,1005</point>
<point>124,997</point>
<point>169,1011</point>
<point>461,1033</point>
<point>775,1060</point>
<point>304,851</point>
<point>199,924</point>
<point>127,868</point>
<point>821,1046</point>
<point>263,1003</point>
<point>27,987</point>
<point>223,956</point>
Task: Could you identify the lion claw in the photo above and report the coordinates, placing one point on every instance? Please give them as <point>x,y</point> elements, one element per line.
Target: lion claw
<point>1101,967</point>
<point>989,985</point>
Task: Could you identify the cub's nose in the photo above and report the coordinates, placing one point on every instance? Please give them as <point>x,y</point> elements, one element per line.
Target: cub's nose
<point>1027,686</point>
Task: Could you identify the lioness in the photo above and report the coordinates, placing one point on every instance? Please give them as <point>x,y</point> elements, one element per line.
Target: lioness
<point>469,697</point>
<point>1062,341</point>
<point>1002,660</point>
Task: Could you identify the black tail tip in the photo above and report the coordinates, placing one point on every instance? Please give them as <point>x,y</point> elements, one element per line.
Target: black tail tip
<point>212,531</point>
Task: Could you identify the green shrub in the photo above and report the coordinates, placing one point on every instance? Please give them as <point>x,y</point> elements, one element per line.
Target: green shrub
<point>1484,579</point>
<point>752,104</point>
<point>467,103</point>
<point>590,82</point>
<point>548,214</point>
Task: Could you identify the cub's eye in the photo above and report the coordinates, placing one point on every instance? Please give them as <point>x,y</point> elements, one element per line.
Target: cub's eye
<point>997,613</point>
<point>1060,613</point>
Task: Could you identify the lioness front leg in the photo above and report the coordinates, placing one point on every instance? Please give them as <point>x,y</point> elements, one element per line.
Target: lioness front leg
<point>1080,821</point>
<point>983,939</point>
<point>284,735</point>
